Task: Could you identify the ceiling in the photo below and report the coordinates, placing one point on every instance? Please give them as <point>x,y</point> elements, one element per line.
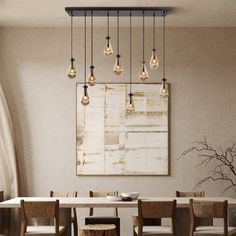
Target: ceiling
<point>49,13</point>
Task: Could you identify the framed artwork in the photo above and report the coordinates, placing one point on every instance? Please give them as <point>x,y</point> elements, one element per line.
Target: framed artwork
<point>110,141</point>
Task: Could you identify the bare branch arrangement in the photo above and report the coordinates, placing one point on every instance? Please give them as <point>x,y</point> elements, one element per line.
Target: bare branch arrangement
<point>222,162</point>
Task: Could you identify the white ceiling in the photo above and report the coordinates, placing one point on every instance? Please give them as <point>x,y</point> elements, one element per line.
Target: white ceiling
<point>206,13</point>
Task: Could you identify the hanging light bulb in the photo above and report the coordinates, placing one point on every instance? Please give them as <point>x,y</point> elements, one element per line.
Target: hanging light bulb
<point>92,78</point>
<point>71,72</point>
<point>85,98</point>
<point>164,92</point>
<point>118,68</point>
<point>130,105</point>
<point>108,48</point>
<point>143,75</point>
<point>154,61</point>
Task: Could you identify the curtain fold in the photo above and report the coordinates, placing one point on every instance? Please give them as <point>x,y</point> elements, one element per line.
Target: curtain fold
<point>8,164</point>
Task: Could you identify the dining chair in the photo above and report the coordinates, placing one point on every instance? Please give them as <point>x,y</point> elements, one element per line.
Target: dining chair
<point>190,194</point>
<point>211,210</point>
<point>73,210</point>
<point>40,209</point>
<point>183,214</point>
<point>111,219</point>
<point>146,221</point>
<point>156,209</point>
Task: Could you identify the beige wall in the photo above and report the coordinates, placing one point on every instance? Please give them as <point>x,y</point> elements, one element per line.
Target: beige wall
<point>200,67</point>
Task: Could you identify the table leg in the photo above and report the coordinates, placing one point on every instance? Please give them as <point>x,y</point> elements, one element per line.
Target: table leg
<point>65,219</point>
<point>182,222</point>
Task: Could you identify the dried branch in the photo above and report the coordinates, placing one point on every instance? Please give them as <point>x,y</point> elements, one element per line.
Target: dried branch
<point>221,161</point>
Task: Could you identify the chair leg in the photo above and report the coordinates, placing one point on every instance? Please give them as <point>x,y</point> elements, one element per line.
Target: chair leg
<point>75,226</point>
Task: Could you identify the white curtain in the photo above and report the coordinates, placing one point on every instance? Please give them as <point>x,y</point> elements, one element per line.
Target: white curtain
<point>8,165</point>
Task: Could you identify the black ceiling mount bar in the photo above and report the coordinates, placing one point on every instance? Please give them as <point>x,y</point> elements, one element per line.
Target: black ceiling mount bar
<point>123,11</point>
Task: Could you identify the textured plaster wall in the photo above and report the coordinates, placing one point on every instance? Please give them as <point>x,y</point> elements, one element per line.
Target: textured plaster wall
<point>200,67</point>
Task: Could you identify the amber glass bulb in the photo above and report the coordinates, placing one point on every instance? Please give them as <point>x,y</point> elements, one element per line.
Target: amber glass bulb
<point>154,62</point>
<point>72,72</point>
<point>92,80</point>
<point>164,91</point>
<point>130,105</point>
<point>143,73</point>
<point>108,49</point>
<point>85,98</point>
<point>118,68</point>
<point>92,77</point>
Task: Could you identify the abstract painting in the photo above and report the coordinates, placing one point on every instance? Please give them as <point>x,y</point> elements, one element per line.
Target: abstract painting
<point>110,141</point>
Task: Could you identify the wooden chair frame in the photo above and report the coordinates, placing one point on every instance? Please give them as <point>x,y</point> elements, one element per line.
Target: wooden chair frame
<point>156,209</point>
<point>190,194</point>
<point>73,210</point>
<point>210,210</point>
<point>44,209</point>
<point>102,194</point>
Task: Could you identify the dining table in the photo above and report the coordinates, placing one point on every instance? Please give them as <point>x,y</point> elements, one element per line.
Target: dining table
<point>66,203</point>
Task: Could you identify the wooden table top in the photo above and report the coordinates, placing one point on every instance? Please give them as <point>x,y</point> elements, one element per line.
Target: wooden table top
<point>86,202</point>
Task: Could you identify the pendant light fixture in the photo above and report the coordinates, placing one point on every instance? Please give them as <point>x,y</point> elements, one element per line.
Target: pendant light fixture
<point>71,71</point>
<point>154,62</point>
<point>118,68</point>
<point>130,105</point>
<point>164,92</point>
<point>92,78</point>
<point>143,73</point>
<point>108,49</point>
<point>85,97</point>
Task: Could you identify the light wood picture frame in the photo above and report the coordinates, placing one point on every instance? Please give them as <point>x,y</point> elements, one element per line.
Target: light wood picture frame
<point>109,141</point>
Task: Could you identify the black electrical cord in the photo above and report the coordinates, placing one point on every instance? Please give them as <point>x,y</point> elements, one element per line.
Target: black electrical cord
<point>143,37</point>
<point>71,36</point>
<point>108,25</point>
<point>85,48</point>
<point>118,33</point>
<point>91,38</point>
<point>164,47</point>
<point>154,30</point>
<point>130,52</point>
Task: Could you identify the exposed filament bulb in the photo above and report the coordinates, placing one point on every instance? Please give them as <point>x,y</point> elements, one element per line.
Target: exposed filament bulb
<point>118,68</point>
<point>108,49</point>
<point>85,98</point>
<point>130,105</point>
<point>143,75</point>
